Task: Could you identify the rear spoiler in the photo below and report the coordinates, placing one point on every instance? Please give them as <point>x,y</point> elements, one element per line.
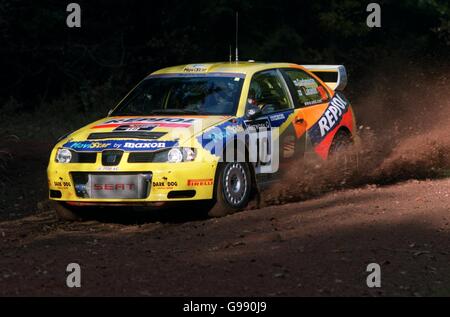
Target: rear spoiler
<point>335,76</point>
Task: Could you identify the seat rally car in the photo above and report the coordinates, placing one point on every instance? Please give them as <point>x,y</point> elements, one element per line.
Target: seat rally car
<point>213,134</point>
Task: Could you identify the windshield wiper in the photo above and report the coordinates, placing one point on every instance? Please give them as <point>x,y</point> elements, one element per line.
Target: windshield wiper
<point>127,114</point>
<point>175,111</point>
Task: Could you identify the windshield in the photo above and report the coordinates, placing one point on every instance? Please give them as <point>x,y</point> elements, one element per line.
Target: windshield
<point>183,95</point>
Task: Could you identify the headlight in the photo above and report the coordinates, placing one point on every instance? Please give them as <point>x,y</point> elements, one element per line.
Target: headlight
<point>178,155</point>
<point>160,157</point>
<point>63,156</point>
<point>175,156</point>
<point>189,154</point>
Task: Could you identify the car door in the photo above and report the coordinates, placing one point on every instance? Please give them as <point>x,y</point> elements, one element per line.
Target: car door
<point>311,99</point>
<point>269,92</point>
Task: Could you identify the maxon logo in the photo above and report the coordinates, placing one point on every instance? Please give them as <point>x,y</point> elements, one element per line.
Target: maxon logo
<point>154,145</point>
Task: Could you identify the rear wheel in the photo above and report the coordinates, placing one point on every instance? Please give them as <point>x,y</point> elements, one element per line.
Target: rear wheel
<point>341,143</point>
<point>232,189</point>
<point>66,212</point>
<point>341,152</point>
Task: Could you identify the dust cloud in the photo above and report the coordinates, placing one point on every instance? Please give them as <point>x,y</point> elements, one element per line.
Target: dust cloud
<point>404,129</point>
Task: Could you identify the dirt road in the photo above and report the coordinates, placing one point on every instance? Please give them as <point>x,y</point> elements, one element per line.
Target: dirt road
<point>318,247</point>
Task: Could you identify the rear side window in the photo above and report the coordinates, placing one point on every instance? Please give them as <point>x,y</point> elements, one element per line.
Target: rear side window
<point>307,90</point>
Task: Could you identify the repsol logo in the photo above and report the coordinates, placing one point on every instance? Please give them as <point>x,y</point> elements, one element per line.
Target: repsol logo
<point>154,145</point>
<point>333,115</point>
<point>330,119</point>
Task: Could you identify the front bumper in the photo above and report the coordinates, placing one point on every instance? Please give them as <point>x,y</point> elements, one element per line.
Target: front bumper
<point>168,182</point>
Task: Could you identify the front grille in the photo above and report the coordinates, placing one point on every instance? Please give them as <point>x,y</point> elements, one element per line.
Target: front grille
<point>127,135</point>
<point>144,157</point>
<point>111,158</point>
<point>179,194</point>
<point>112,185</point>
<point>79,157</point>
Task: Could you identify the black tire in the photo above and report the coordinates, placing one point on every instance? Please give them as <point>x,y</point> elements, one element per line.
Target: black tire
<point>66,212</point>
<point>232,188</point>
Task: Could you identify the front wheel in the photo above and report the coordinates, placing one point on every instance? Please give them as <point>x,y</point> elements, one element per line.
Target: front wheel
<point>232,189</point>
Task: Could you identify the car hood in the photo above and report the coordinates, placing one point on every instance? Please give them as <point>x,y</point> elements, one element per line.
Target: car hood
<point>157,128</point>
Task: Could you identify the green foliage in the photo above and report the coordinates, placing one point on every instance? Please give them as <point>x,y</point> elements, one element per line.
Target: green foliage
<point>442,10</point>
<point>62,115</point>
<point>343,19</point>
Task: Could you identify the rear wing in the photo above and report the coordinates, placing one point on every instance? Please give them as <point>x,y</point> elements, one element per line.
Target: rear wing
<point>335,76</point>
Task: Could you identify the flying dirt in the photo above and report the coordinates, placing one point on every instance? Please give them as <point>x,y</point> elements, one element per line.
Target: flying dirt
<point>408,138</point>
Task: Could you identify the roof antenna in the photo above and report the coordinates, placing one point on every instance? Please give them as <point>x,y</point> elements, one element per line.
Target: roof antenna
<point>231,54</point>
<point>237,37</point>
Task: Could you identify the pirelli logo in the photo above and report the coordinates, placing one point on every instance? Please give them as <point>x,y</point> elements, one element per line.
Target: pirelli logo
<point>200,182</point>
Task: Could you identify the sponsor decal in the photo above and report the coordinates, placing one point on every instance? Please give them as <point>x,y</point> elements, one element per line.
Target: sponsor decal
<point>310,91</point>
<point>307,83</point>
<point>114,187</point>
<point>196,68</point>
<point>88,145</point>
<point>330,119</point>
<point>108,168</point>
<point>155,122</point>
<point>256,125</point>
<point>277,117</point>
<point>276,120</point>
<point>215,138</point>
<point>323,93</point>
<point>313,102</point>
<point>62,185</point>
<point>124,145</point>
<point>164,185</point>
<point>147,145</point>
<point>135,127</point>
<point>234,129</point>
<point>200,182</point>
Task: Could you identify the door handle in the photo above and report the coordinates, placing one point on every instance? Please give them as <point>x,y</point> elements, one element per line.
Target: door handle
<point>299,120</point>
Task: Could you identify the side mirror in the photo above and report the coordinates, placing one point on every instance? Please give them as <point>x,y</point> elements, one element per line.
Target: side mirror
<point>253,112</point>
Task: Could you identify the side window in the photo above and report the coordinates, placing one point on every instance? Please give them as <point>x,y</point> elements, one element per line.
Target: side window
<point>268,92</point>
<point>308,91</point>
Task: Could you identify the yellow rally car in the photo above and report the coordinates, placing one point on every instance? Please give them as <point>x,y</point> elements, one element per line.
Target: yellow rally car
<point>209,133</point>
